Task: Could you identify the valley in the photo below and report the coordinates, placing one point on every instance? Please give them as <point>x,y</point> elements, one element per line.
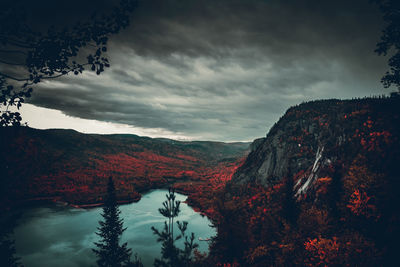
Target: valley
<point>68,166</point>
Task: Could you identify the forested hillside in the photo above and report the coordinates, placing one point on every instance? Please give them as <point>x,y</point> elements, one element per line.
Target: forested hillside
<point>69,166</point>
<point>320,190</point>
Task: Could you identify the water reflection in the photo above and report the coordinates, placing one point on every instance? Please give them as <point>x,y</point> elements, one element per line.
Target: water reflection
<point>61,236</point>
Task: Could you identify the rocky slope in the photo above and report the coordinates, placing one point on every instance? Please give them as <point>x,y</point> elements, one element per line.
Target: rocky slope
<point>312,137</point>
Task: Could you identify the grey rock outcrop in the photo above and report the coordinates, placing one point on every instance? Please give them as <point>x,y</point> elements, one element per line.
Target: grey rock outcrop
<point>309,138</point>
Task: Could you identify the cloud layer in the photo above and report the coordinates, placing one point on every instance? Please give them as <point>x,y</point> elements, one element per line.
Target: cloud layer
<point>226,70</point>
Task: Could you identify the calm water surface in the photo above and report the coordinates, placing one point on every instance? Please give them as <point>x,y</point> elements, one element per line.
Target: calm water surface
<point>63,236</point>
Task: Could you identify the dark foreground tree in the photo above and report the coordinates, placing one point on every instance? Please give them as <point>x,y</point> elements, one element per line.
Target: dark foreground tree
<point>109,252</point>
<point>171,255</point>
<point>7,252</point>
<point>290,209</point>
<point>7,243</point>
<point>390,41</point>
<point>29,55</point>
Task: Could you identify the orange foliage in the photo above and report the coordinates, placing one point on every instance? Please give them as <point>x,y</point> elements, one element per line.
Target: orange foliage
<point>257,253</point>
<point>360,206</point>
<point>313,220</point>
<point>376,141</point>
<point>323,251</point>
<point>323,184</point>
<point>360,176</point>
<point>234,264</point>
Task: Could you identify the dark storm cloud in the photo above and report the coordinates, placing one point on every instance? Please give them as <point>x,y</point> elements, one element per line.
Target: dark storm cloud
<point>226,70</point>
<point>215,28</point>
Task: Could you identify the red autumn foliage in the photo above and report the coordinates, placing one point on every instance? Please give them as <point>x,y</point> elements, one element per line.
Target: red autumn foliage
<point>322,185</point>
<point>72,167</point>
<point>360,205</point>
<point>228,264</point>
<point>322,251</point>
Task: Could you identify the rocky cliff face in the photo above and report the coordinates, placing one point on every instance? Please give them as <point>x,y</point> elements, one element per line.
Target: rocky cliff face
<point>312,137</point>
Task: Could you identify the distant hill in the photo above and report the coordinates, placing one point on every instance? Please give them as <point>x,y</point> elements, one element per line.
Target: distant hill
<point>70,166</point>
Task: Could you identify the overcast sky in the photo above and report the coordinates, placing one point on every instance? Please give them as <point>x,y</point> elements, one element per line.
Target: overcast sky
<point>217,70</point>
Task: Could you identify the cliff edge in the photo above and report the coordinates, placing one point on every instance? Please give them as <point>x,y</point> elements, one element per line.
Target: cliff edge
<point>313,137</point>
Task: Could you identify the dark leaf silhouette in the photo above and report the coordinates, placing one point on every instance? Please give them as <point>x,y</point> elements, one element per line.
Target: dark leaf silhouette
<point>50,54</point>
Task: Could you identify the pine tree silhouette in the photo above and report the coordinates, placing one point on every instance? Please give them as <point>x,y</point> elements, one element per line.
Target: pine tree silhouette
<point>170,254</point>
<point>7,242</point>
<point>7,252</point>
<point>109,252</point>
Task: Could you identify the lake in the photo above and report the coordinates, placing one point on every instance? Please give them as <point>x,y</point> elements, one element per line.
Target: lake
<point>63,236</point>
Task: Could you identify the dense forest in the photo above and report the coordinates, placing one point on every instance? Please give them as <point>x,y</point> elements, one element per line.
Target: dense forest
<point>68,166</point>
<point>339,210</point>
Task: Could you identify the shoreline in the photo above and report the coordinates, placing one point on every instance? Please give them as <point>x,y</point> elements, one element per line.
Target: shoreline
<point>59,201</point>
<point>14,206</point>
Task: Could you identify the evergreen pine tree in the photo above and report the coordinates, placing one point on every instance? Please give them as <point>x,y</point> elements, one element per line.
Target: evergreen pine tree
<point>290,209</point>
<point>7,252</point>
<point>170,254</point>
<point>109,252</point>
<point>335,192</point>
<point>7,243</point>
